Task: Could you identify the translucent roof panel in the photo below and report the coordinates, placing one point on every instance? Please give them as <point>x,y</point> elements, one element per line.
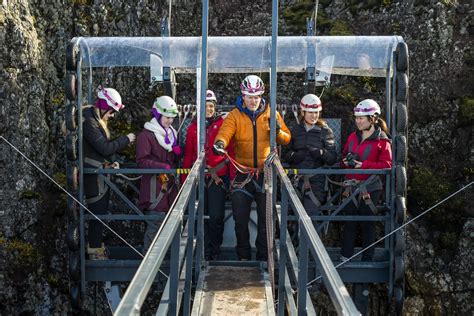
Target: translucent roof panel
<point>344,55</point>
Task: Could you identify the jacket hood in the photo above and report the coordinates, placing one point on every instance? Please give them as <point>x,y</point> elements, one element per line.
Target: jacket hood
<point>377,134</point>
<point>252,115</point>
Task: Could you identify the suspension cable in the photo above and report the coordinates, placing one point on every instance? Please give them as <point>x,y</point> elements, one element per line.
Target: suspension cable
<point>75,199</point>
<point>397,229</point>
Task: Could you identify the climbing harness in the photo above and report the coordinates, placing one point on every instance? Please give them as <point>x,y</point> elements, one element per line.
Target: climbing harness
<point>102,187</point>
<point>305,189</point>
<point>352,184</point>
<point>212,171</point>
<point>156,199</point>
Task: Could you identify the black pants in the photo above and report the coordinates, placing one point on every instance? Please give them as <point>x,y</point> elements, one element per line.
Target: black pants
<point>95,227</point>
<point>241,206</point>
<point>367,228</point>
<point>214,206</point>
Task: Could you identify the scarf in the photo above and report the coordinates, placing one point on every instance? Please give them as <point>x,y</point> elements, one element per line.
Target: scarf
<point>165,137</point>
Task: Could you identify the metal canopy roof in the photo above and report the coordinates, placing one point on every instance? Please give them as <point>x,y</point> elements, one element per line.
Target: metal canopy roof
<point>343,55</point>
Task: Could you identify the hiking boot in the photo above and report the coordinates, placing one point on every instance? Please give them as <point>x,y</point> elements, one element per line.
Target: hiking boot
<point>97,253</point>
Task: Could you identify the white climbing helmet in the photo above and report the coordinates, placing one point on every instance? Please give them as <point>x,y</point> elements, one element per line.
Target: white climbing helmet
<point>210,96</point>
<point>310,103</point>
<point>252,85</point>
<point>367,107</point>
<point>166,106</point>
<point>111,96</point>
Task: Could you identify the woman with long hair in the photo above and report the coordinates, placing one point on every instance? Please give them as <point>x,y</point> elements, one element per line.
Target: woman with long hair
<point>312,146</point>
<point>99,149</point>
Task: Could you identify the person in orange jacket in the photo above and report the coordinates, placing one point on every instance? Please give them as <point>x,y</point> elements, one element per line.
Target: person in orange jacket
<point>220,172</point>
<point>248,126</point>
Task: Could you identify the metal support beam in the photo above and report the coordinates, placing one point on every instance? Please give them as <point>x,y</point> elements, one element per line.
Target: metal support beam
<point>337,291</point>
<point>146,273</point>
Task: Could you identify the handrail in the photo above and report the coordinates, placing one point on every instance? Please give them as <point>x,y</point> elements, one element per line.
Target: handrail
<point>140,285</point>
<point>337,291</point>
<point>323,170</point>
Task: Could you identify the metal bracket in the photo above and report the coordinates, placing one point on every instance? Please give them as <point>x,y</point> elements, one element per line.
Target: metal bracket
<point>112,291</point>
<point>169,82</point>
<point>165,27</point>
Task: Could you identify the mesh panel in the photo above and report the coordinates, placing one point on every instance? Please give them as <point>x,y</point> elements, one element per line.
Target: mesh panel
<point>335,125</point>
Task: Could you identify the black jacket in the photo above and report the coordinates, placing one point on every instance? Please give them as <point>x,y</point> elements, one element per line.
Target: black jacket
<point>301,154</point>
<point>97,146</point>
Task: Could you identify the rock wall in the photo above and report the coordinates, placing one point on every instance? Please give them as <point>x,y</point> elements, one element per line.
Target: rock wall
<point>34,35</point>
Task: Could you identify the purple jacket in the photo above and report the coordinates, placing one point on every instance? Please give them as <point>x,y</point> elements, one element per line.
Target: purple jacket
<point>150,155</point>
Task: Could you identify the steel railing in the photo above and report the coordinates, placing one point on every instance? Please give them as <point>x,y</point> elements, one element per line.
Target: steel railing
<point>310,241</point>
<point>139,287</point>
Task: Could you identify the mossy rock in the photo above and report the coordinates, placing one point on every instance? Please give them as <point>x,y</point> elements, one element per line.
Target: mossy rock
<point>466,110</point>
<point>340,27</point>
<point>60,178</point>
<point>24,254</point>
<point>30,195</point>
<point>295,16</point>
<point>427,187</point>
<point>120,128</point>
<point>425,190</point>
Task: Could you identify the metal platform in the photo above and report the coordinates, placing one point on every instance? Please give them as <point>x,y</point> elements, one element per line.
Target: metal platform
<point>233,290</point>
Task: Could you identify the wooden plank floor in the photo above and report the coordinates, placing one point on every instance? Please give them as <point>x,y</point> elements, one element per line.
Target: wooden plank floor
<point>234,291</point>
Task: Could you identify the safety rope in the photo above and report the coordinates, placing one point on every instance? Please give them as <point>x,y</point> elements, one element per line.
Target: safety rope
<point>268,184</point>
<point>128,178</point>
<point>395,230</point>
<point>242,168</point>
<point>74,198</point>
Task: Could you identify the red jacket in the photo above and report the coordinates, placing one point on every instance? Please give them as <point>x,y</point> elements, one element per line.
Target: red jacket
<point>150,155</point>
<point>375,152</point>
<point>212,160</point>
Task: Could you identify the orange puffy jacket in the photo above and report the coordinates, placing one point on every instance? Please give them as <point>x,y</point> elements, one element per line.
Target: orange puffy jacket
<point>251,135</point>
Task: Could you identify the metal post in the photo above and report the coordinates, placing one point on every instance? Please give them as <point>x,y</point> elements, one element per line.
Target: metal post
<point>82,231</point>
<point>174,273</point>
<point>283,252</point>
<point>303,270</point>
<point>202,126</point>
<point>273,75</point>
<point>189,253</point>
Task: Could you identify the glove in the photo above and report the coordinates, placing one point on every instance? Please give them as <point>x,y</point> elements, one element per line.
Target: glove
<point>167,167</point>
<point>218,148</point>
<point>316,153</point>
<point>298,156</point>
<point>177,150</point>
